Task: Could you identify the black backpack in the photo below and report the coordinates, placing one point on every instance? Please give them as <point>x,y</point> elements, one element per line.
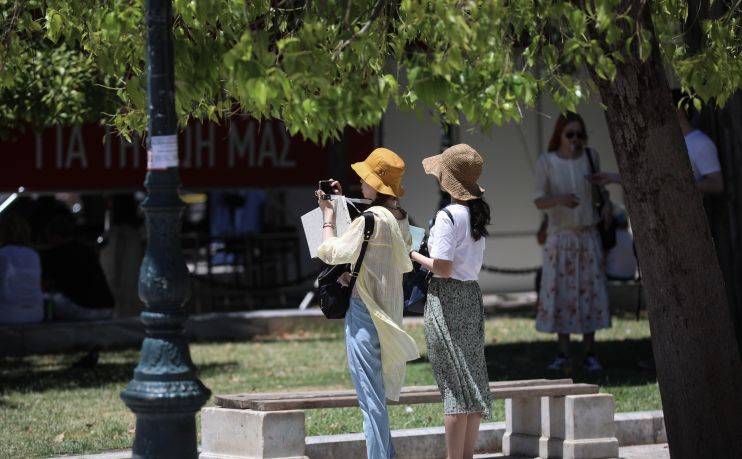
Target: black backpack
<point>415,282</point>
<point>334,298</point>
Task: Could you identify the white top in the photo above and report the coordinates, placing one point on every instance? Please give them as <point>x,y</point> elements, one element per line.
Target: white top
<point>554,176</point>
<point>21,300</point>
<point>379,285</point>
<point>703,155</point>
<point>452,241</point>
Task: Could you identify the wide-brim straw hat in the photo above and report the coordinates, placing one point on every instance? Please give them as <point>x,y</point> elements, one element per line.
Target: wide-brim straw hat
<point>457,169</point>
<point>382,170</point>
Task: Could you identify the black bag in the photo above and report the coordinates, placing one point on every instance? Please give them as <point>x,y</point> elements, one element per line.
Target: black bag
<point>415,282</point>
<point>334,298</point>
<point>607,230</point>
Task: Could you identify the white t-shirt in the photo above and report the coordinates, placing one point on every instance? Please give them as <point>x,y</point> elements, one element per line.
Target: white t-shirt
<point>452,241</point>
<point>703,155</point>
<point>21,300</point>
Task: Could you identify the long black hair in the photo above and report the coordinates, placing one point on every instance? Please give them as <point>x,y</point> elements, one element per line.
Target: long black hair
<point>479,216</point>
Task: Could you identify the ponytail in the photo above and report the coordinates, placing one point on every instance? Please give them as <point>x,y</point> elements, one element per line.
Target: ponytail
<point>479,215</point>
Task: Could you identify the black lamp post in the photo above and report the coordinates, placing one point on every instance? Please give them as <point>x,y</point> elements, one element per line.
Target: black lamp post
<point>165,393</point>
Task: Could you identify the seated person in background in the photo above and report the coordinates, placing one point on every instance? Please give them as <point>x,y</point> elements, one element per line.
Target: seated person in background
<point>21,300</point>
<point>620,261</point>
<point>72,275</point>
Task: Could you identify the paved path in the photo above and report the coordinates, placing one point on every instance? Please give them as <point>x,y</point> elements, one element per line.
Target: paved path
<point>628,452</point>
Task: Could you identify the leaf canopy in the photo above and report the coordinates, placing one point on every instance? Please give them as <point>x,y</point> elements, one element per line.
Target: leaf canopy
<point>321,66</point>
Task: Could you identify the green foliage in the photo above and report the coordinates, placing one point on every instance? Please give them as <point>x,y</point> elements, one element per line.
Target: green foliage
<point>43,82</point>
<point>320,66</point>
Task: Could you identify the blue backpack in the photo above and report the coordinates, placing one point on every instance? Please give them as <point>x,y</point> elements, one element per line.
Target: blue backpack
<point>415,282</point>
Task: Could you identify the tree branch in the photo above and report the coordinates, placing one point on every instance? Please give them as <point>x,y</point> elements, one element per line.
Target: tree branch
<point>375,13</point>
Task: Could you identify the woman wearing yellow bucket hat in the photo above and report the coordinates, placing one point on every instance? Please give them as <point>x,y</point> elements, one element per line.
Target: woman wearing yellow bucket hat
<point>378,349</point>
<point>454,314</point>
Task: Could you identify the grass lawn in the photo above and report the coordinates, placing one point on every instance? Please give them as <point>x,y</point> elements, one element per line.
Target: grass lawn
<point>46,408</point>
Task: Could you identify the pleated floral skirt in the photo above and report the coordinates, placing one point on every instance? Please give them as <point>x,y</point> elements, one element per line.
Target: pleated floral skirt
<point>574,294</point>
<point>454,333</point>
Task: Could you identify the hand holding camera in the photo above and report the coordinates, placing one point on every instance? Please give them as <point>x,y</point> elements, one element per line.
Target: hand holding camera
<point>327,188</point>
<point>330,187</point>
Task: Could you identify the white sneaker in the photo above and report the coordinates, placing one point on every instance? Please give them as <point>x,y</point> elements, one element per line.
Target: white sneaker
<point>592,364</point>
<point>559,363</point>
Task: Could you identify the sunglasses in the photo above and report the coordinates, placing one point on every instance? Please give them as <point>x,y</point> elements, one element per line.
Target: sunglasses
<point>571,134</point>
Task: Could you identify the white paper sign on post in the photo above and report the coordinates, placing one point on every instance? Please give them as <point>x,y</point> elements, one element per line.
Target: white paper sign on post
<point>163,152</point>
<point>312,222</point>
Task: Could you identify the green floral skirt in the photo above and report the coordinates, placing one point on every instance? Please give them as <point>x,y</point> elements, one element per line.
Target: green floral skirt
<point>454,332</point>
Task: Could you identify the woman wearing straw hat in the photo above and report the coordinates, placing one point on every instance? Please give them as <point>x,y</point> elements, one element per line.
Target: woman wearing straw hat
<point>378,349</point>
<point>454,314</point>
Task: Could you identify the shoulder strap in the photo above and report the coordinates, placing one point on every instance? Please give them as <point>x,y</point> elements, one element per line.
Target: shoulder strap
<point>590,159</point>
<point>597,190</point>
<point>448,212</point>
<point>368,231</point>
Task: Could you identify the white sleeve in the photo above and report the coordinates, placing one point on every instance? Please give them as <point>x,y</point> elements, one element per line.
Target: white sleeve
<point>444,240</point>
<point>706,158</point>
<point>541,188</point>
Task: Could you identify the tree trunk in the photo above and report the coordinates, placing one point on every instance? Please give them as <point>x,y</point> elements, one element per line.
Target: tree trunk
<point>697,358</point>
<point>724,126</point>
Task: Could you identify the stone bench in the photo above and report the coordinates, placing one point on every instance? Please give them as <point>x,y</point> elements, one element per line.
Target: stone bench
<point>546,418</point>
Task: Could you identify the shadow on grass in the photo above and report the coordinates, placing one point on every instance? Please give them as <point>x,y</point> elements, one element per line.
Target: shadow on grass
<point>40,379</point>
<point>528,360</point>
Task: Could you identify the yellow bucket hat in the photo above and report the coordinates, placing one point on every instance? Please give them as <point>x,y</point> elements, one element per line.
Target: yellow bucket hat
<point>382,170</point>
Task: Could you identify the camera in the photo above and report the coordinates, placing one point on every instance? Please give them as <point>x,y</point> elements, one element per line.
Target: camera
<point>325,187</point>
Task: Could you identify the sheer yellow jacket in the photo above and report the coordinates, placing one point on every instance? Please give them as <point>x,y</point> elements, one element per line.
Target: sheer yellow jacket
<point>379,286</point>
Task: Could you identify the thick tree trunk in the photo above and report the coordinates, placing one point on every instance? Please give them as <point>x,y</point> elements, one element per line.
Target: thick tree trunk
<point>724,126</point>
<point>724,212</point>
<point>698,361</point>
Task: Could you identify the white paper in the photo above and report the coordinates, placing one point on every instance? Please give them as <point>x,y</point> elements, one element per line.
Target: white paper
<point>163,152</point>
<point>312,222</point>
<point>417,237</point>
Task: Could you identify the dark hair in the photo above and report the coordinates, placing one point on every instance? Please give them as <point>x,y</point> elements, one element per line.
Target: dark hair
<point>14,230</point>
<point>561,123</point>
<point>677,97</point>
<point>382,198</point>
<point>479,216</point>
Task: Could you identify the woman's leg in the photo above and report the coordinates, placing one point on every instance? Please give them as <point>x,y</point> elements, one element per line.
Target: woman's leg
<point>472,431</point>
<point>364,363</point>
<point>455,435</point>
<point>564,343</point>
<point>588,342</point>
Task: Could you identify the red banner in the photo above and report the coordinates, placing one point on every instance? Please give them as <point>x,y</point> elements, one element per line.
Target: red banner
<point>239,153</point>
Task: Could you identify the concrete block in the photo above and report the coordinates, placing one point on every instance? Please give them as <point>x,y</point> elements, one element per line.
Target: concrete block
<point>423,443</point>
<point>589,416</point>
<point>248,434</point>
<point>589,427</point>
<point>552,427</point>
<point>597,448</point>
<point>522,427</point>
<point>640,428</point>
